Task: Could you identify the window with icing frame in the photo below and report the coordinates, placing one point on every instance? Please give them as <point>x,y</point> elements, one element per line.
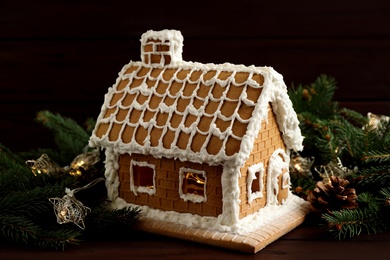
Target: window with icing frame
<point>192,185</point>
<point>142,177</point>
<point>286,180</point>
<point>255,184</point>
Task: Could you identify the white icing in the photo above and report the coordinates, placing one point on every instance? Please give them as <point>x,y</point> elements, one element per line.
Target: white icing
<point>231,196</point>
<point>274,91</point>
<point>171,38</point>
<point>142,89</point>
<point>252,170</point>
<point>189,196</point>
<point>286,180</point>
<point>135,189</point>
<point>111,174</point>
<point>278,161</point>
<point>265,216</point>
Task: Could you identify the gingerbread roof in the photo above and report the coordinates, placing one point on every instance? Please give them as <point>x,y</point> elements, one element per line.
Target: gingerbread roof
<point>203,113</point>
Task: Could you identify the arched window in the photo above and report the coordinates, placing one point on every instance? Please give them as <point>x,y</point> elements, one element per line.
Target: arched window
<point>278,164</point>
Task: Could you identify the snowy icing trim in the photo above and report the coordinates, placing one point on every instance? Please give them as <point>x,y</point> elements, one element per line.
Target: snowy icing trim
<point>111,174</point>
<point>190,196</point>
<point>274,92</point>
<point>278,162</point>
<point>231,196</point>
<point>264,217</point>
<point>252,170</point>
<point>142,189</point>
<point>171,42</point>
<point>286,180</point>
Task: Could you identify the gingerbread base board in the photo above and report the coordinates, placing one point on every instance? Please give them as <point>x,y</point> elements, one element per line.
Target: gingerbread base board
<point>249,243</point>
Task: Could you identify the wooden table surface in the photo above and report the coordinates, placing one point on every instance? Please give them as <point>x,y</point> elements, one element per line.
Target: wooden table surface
<point>305,242</point>
<point>63,55</point>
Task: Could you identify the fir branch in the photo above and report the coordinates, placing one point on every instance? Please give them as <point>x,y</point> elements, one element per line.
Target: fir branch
<point>27,216</point>
<point>6,153</point>
<point>350,223</point>
<point>333,133</point>
<point>114,220</point>
<point>366,172</point>
<point>19,229</point>
<point>376,156</point>
<point>13,175</point>
<point>373,182</point>
<point>10,165</point>
<point>345,137</point>
<point>367,200</point>
<point>30,202</point>
<point>302,185</point>
<point>90,125</point>
<point>385,192</point>
<point>69,136</point>
<point>17,176</point>
<point>351,115</point>
<point>315,98</point>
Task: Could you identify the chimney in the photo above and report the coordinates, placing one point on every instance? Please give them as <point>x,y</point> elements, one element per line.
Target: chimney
<point>160,48</point>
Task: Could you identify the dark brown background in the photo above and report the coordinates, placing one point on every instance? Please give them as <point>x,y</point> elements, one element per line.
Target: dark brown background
<point>62,55</point>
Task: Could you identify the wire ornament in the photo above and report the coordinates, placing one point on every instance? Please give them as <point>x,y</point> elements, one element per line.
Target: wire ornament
<point>44,165</point>
<point>70,210</point>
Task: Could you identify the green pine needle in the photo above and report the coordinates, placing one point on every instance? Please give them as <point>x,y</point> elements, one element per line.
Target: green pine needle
<point>26,214</point>
<point>346,223</point>
<point>21,230</point>
<point>113,220</point>
<point>69,136</point>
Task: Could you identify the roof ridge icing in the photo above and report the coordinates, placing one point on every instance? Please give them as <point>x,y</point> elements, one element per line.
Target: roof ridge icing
<point>203,113</point>
<point>273,90</point>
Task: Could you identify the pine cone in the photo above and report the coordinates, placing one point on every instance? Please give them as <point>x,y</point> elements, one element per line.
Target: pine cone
<point>327,197</point>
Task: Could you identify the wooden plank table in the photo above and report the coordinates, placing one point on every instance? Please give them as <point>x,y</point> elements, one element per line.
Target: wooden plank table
<point>63,55</point>
<point>305,242</point>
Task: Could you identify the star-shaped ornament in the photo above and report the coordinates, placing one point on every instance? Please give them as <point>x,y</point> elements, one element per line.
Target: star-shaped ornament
<point>69,209</point>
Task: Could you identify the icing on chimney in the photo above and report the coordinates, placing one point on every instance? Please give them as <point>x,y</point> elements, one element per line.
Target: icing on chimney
<point>160,48</point>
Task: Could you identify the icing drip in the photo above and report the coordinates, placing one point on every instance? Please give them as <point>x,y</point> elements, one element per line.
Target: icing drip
<point>191,196</point>
<point>273,91</point>
<point>265,216</point>
<point>135,189</point>
<point>171,39</point>
<point>252,170</point>
<point>215,109</point>
<point>111,174</point>
<point>278,161</point>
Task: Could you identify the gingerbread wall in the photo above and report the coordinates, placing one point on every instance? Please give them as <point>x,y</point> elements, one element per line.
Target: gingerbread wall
<point>167,196</point>
<point>167,186</point>
<point>268,140</point>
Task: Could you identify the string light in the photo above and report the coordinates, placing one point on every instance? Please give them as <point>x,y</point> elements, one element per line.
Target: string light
<point>194,177</point>
<point>334,169</point>
<point>301,165</point>
<point>81,163</point>
<point>70,210</point>
<point>44,165</point>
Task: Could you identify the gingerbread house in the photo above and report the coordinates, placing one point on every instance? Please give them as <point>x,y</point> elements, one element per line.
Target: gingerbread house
<point>202,147</point>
